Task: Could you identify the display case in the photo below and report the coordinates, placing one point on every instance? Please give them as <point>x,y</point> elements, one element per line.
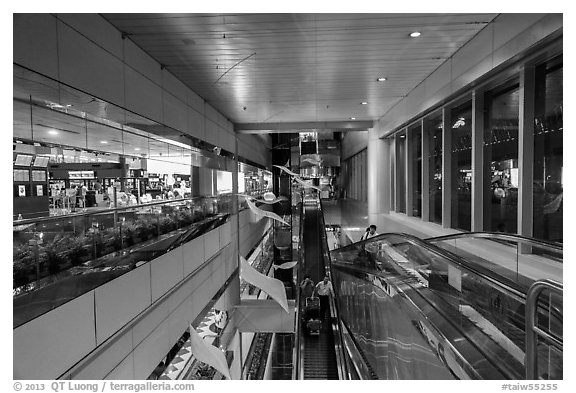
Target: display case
<point>30,186</point>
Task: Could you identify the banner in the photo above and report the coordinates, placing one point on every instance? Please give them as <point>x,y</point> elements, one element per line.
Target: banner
<point>264,213</point>
<point>272,286</point>
<point>287,265</point>
<point>208,354</point>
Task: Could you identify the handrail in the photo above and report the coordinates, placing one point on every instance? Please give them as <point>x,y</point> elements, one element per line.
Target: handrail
<point>27,221</point>
<point>455,259</point>
<point>342,365</point>
<point>533,331</point>
<point>549,246</point>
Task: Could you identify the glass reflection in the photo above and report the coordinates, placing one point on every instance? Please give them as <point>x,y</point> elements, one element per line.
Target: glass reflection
<point>433,126</point>
<point>462,166</point>
<point>548,152</point>
<point>501,160</point>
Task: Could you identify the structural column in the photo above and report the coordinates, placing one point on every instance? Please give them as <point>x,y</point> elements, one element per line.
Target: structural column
<point>425,173</point>
<point>378,177</point>
<point>410,163</point>
<point>526,151</point>
<point>446,168</point>
<point>477,161</point>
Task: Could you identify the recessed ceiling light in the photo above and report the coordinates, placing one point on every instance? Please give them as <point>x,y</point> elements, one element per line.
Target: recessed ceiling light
<point>415,34</point>
<point>137,148</point>
<point>352,118</point>
<point>381,79</point>
<point>103,142</point>
<point>364,103</point>
<point>53,132</point>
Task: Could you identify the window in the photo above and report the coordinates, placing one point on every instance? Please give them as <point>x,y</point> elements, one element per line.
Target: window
<point>415,143</point>
<point>401,172</point>
<point>356,175</point>
<point>461,194</point>
<point>433,127</point>
<point>548,152</point>
<point>500,208</point>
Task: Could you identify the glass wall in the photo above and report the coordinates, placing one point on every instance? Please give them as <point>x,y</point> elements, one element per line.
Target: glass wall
<point>401,172</point>
<point>433,127</point>
<point>415,142</point>
<point>548,152</point>
<point>500,110</point>
<point>461,193</point>
<point>356,175</point>
<point>501,159</point>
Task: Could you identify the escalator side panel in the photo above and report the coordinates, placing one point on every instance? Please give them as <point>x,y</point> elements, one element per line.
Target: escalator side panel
<point>389,333</point>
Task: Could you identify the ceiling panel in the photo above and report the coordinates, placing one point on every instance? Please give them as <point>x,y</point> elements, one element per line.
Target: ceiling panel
<point>300,67</point>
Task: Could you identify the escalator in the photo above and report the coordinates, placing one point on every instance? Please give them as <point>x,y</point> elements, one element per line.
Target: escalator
<point>317,352</point>
<point>410,310</point>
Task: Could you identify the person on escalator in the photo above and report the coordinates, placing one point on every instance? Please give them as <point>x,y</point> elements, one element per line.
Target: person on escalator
<point>307,287</point>
<point>324,291</point>
<point>370,232</point>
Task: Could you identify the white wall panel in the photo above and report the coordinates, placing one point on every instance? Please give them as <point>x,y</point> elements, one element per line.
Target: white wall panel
<point>477,49</point>
<point>96,29</point>
<point>543,27</point>
<point>178,323</point>
<point>167,270</point>
<point>211,243</point>
<point>35,43</point>
<point>211,132</point>
<point>175,112</point>
<point>195,126</point>
<point>195,101</point>
<point>225,235</point>
<point>178,297</point>
<point>141,62</point>
<point>211,113</point>
<point>120,300</point>
<point>193,252</point>
<point>149,322</point>
<point>142,95</point>
<point>226,141</point>
<point>124,371</point>
<point>477,70</point>
<point>47,346</point>
<point>104,363</point>
<point>509,26</point>
<point>150,352</point>
<point>173,86</point>
<point>88,67</point>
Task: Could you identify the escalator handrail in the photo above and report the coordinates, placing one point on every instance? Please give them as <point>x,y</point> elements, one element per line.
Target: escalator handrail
<point>532,330</point>
<point>508,286</point>
<point>343,373</point>
<point>543,244</point>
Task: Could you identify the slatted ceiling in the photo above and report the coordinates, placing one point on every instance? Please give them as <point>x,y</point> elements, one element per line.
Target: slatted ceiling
<point>303,62</point>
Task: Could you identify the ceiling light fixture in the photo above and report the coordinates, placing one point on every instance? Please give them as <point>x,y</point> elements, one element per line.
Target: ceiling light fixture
<point>381,79</point>
<point>137,148</point>
<point>52,132</point>
<point>352,118</point>
<point>415,34</point>
<point>104,142</point>
<point>363,103</point>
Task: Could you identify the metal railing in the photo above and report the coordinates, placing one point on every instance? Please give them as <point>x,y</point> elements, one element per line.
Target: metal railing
<point>533,331</point>
<point>541,244</point>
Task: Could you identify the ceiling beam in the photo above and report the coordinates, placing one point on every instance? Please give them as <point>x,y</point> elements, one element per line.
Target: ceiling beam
<point>316,126</point>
